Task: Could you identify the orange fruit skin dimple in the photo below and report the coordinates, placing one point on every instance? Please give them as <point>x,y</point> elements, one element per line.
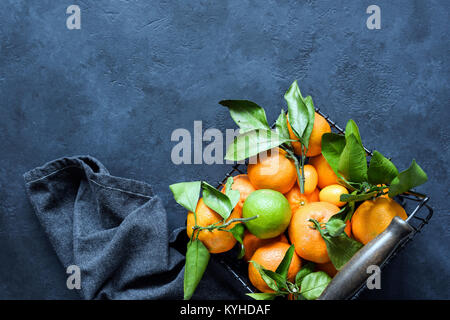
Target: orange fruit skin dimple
<point>373,216</point>
<point>307,241</point>
<point>320,127</point>
<point>252,243</point>
<point>274,172</point>
<point>297,200</point>
<point>270,256</point>
<point>241,183</point>
<point>216,241</point>
<point>326,175</point>
<point>332,194</point>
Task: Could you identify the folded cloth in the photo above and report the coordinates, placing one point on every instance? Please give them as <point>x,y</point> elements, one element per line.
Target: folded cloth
<point>114,229</point>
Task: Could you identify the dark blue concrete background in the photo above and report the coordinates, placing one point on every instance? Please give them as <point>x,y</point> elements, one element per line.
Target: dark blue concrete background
<point>137,70</point>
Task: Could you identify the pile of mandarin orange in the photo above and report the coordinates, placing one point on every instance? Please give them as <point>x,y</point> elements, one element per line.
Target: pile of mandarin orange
<point>320,201</point>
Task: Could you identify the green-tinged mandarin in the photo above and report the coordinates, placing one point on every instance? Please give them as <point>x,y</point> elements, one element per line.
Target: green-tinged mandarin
<point>272,209</point>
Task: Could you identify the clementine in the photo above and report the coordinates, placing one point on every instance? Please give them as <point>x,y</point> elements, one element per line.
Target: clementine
<point>320,127</point>
<point>326,175</point>
<point>373,216</point>
<point>252,243</point>
<point>296,199</point>
<point>241,183</point>
<point>332,194</point>
<point>307,240</point>
<point>275,172</point>
<point>269,257</point>
<point>216,241</point>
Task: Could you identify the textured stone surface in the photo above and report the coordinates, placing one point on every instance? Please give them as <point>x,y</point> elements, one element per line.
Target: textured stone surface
<point>137,70</point>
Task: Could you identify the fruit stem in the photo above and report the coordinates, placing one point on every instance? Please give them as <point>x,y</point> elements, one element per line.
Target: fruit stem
<point>222,226</point>
<point>301,179</point>
<point>317,226</point>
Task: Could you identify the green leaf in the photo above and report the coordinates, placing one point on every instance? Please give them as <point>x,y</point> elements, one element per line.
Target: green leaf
<point>297,110</point>
<point>335,227</point>
<point>216,200</point>
<point>314,284</point>
<point>281,126</point>
<point>341,249</point>
<point>251,143</point>
<point>340,215</point>
<point>350,186</point>
<point>352,128</point>
<point>247,115</point>
<point>344,214</point>
<point>352,162</point>
<point>332,146</point>
<point>283,267</point>
<point>263,295</point>
<point>357,197</point>
<point>197,258</point>
<point>381,170</point>
<point>186,194</point>
<point>304,271</point>
<point>311,117</point>
<point>238,233</point>
<point>280,281</point>
<point>267,279</point>
<point>233,195</point>
<point>408,179</point>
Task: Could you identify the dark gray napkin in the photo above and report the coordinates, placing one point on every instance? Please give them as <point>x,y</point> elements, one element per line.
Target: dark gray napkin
<point>114,229</point>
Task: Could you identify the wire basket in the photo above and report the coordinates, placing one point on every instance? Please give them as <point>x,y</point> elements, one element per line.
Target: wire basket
<point>413,203</point>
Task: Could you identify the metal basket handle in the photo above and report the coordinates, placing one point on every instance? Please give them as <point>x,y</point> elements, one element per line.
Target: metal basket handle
<point>354,274</point>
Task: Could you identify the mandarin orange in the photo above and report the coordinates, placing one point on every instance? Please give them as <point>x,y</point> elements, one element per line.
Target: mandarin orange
<point>269,257</point>
<point>275,171</point>
<point>216,241</point>
<point>307,240</point>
